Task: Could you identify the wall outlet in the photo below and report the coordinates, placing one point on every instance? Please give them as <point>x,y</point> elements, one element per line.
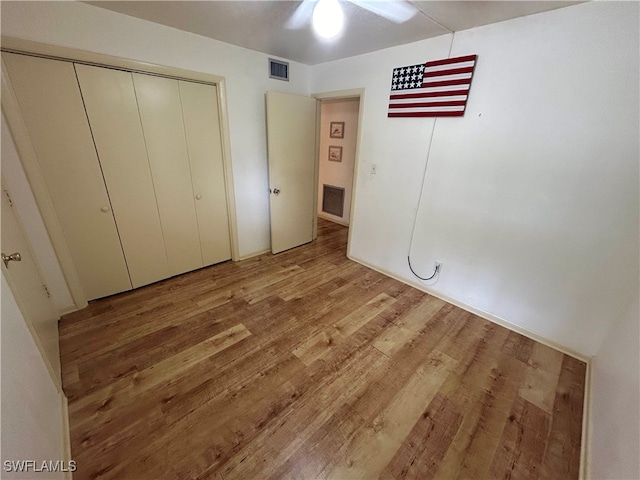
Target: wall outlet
<point>374,168</point>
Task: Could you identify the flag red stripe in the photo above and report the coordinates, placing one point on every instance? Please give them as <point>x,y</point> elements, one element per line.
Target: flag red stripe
<point>454,103</point>
<point>448,61</point>
<point>451,71</point>
<point>446,83</point>
<point>426,114</point>
<point>444,93</point>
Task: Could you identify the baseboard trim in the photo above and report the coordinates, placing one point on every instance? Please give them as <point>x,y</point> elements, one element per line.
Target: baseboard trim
<point>255,254</point>
<point>67,310</point>
<point>66,435</point>
<point>326,217</point>
<point>481,313</point>
<point>585,450</point>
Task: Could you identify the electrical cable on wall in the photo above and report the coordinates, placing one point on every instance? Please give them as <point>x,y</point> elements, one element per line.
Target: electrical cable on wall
<point>415,219</point>
<point>436,270</point>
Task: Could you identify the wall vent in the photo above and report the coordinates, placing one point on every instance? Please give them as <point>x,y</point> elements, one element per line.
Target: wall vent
<point>333,200</point>
<point>278,70</point>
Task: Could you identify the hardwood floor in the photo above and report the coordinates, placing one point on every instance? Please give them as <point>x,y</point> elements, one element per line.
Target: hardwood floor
<point>306,365</point>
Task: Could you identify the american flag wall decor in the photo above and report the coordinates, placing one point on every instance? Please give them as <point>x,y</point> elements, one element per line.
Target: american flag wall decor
<point>433,89</point>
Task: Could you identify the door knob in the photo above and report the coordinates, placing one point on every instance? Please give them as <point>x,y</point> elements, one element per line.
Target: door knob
<point>14,257</point>
<point>276,191</point>
<point>198,197</point>
<point>104,209</point>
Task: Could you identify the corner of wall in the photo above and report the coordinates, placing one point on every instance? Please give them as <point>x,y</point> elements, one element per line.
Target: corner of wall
<point>613,412</point>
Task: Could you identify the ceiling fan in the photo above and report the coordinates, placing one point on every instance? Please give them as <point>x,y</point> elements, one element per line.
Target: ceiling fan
<point>327,18</point>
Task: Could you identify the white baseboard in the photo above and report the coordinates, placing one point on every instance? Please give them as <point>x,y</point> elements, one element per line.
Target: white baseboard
<point>72,308</point>
<point>333,219</point>
<point>481,313</point>
<point>66,434</point>
<point>251,255</point>
<point>585,450</point>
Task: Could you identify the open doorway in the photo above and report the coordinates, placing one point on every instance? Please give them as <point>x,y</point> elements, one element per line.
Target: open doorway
<point>326,130</point>
<point>337,158</point>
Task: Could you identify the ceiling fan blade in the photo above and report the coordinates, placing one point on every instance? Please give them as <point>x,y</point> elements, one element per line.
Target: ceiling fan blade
<point>302,15</point>
<point>397,11</point>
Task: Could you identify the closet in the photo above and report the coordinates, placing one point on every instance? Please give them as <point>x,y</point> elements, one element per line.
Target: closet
<point>133,166</point>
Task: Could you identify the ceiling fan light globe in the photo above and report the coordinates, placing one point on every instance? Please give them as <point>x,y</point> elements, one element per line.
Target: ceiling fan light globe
<point>327,18</point>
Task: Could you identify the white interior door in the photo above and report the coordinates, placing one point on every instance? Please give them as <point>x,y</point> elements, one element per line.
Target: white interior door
<point>28,288</point>
<point>53,111</point>
<point>161,114</point>
<point>291,138</point>
<point>204,143</point>
<point>111,105</point>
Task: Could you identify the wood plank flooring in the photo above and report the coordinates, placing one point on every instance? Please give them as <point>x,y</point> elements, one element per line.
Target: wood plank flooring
<point>305,365</point>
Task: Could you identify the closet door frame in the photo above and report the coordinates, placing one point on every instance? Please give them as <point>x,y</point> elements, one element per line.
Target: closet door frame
<point>30,163</point>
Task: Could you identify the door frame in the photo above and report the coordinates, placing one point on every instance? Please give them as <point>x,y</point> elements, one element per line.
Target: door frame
<point>28,159</point>
<point>358,93</point>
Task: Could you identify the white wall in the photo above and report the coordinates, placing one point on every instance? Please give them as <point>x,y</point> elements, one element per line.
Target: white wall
<point>615,401</point>
<point>530,200</point>
<point>82,26</point>
<point>32,418</point>
<point>338,174</point>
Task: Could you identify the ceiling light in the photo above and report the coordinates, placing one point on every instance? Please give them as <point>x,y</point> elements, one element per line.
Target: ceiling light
<point>328,18</point>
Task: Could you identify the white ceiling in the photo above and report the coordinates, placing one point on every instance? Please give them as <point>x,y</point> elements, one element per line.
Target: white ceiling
<point>260,25</point>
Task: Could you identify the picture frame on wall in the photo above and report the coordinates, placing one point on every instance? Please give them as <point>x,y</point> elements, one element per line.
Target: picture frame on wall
<point>335,154</point>
<point>336,130</point>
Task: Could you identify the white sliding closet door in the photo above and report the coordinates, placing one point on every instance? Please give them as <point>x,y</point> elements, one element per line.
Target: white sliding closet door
<point>110,100</point>
<point>202,127</point>
<point>161,114</point>
<point>52,109</point>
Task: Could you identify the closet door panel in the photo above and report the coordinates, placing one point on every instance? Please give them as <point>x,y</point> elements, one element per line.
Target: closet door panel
<point>161,114</point>
<point>111,105</point>
<point>202,129</point>
<point>52,108</point>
